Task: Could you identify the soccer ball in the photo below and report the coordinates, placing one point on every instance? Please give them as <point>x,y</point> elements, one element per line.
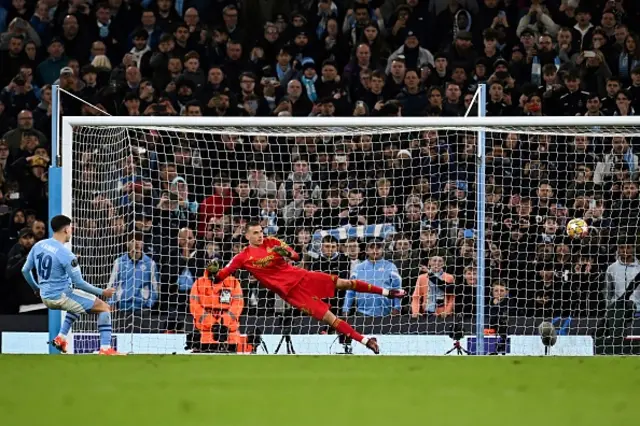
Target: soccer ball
<point>577,228</point>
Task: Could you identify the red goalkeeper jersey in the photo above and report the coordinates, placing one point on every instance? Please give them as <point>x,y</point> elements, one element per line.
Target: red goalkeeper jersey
<point>272,270</point>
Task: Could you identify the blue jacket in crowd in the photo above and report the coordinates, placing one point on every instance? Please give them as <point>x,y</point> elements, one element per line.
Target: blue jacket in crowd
<point>381,273</point>
<point>136,283</point>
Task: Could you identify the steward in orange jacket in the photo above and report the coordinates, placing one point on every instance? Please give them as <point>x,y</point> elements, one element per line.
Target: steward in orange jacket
<point>218,304</point>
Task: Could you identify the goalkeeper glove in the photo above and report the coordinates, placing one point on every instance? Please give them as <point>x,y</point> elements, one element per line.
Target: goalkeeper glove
<point>213,267</point>
<point>282,251</point>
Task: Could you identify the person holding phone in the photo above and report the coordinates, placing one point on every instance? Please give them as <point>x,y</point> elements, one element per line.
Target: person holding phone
<point>252,104</point>
<point>543,22</point>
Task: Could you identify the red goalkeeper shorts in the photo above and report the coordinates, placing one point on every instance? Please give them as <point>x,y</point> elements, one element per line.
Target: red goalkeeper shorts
<point>308,294</point>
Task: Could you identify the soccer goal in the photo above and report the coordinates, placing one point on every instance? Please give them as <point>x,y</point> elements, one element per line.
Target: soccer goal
<point>472,213</point>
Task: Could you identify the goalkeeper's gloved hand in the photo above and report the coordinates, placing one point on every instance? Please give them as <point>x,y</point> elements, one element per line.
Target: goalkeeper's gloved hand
<point>282,251</point>
<point>213,267</point>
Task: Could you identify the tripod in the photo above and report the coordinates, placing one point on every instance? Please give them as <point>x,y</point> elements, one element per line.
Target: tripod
<point>458,348</point>
<point>286,321</point>
<point>286,338</point>
<point>259,343</point>
<point>346,344</point>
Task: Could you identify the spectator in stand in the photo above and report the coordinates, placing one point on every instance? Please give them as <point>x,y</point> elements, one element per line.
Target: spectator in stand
<point>106,30</point>
<point>143,224</point>
<point>351,249</point>
<point>294,210</point>
<point>496,105</point>
<point>377,271</point>
<point>217,204</point>
<point>49,69</point>
<point>20,27</point>
<point>501,308</point>
<point>412,98</point>
<point>332,262</point>
<point>39,230</point>
<point>20,94</point>
<point>12,59</point>
<point>180,268</point>
<point>16,290</point>
<point>543,22</point>
<point>414,55</point>
<point>623,104</point>
<point>31,170</point>
<point>395,77</point>
<point>433,293</point>
<point>406,261</point>
<point>324,59</point>
<point>244,205</point>
<point>301,173</point>
<point>296,102</point>
<point>621,284</point>
<point>462,51</point>
<point>135,277</point>
<point>621,153</point>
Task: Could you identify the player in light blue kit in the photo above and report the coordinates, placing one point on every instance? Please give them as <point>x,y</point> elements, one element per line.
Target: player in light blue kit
<point>57,268</point>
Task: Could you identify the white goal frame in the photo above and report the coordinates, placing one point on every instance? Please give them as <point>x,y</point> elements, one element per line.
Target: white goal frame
<point>61,172</point>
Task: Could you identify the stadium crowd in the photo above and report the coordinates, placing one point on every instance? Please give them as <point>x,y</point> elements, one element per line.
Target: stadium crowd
<point>184,198</point>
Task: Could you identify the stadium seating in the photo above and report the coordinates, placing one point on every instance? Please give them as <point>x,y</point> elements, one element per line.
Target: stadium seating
<point>338,58</point>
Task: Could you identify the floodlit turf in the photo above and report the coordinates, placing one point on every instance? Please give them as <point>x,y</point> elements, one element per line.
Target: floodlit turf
<point>330,390</point>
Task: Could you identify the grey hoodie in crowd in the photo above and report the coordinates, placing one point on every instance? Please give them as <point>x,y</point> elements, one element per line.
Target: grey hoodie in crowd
<point>618,277</point>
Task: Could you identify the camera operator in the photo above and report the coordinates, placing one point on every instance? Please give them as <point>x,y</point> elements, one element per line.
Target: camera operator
<point>216,310</point>
<point>18,95</point>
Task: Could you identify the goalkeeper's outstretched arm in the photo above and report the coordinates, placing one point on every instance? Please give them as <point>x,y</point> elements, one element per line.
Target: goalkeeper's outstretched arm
<point>284,250</point>
<point>218,274</point>
<point>287,252</point>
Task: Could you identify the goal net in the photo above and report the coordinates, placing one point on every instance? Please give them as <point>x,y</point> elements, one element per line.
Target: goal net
<point>153,204</point>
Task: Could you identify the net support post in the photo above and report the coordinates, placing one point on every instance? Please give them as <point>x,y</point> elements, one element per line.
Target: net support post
<point>55,196</point>
<point>480,239</point>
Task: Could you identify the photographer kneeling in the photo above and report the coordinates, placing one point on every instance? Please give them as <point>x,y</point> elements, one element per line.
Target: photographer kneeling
<point>216,310</point>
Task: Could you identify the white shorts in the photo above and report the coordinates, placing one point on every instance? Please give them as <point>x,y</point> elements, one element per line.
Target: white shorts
<point>77,302</point>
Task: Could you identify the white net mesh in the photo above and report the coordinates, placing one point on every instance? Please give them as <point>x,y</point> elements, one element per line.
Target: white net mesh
<point>184,194</point>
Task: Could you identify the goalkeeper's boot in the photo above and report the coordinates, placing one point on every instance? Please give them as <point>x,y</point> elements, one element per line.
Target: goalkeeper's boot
<point>396,293</point>
<point>109,351</point>
<point>372,344</point>
<point>60,343</point>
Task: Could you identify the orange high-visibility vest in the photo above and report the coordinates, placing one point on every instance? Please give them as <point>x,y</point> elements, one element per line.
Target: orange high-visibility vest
<point>218,303</point>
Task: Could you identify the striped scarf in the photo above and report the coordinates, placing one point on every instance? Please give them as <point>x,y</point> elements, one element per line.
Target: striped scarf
<point>310,86</point>
<point>347,232</point>
<point>625,66</point>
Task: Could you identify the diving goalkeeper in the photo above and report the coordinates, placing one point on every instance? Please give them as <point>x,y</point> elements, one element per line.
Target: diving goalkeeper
<point>267,260</point>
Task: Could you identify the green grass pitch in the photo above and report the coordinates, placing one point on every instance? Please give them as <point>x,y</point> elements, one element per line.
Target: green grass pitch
<point>309,391</point>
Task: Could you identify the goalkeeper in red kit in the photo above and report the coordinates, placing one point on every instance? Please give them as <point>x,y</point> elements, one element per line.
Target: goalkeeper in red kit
<point>266,258</point>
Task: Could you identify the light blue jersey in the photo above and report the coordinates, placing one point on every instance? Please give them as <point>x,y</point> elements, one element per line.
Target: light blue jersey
<point>382,273</point>
<point>57,269</point>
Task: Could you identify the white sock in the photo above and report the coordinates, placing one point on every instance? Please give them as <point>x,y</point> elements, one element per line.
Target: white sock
<point>64,336</point>
<point>364,341</point>
<point>385,292</point>
<point>105,347</point>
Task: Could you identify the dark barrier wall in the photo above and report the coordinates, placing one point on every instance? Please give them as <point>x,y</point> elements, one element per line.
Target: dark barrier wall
<point>402,324</point>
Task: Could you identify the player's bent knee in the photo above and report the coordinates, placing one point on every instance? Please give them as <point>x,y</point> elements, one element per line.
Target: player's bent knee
<point>329,318</point>
<point>100,306</point>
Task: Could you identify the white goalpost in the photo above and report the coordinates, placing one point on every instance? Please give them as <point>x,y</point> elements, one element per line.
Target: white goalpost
<point>471,212</point>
